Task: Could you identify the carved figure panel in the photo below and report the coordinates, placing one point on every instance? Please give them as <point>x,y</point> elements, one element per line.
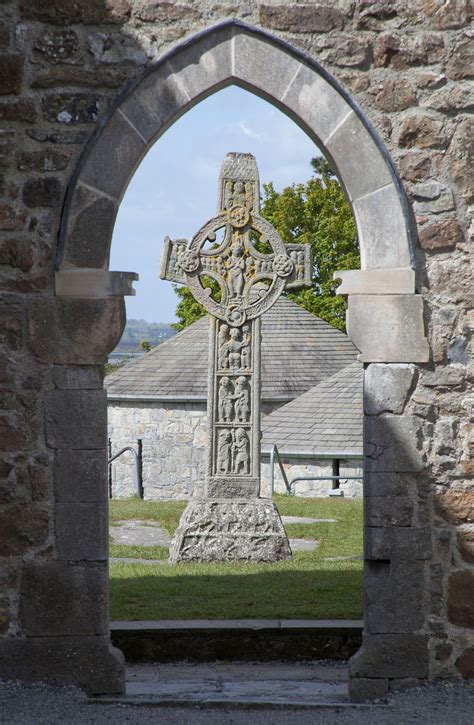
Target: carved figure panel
<point>233,400</point>
<point>242,400</point>
<point>234,348</point>
<point>226,400</point>
<point>232,452</point>
<point>224,452</point>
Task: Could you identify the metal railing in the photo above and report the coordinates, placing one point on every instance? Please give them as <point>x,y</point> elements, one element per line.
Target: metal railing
<point>289,484</point>
<point>137,467</point>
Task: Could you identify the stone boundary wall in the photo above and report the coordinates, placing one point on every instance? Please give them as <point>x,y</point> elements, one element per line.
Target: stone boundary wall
<point>174,448</point>
<point>61,63</point>
<point>309,466</point>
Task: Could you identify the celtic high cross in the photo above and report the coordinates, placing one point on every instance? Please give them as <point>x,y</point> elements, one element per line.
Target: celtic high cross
<point>236,266</point>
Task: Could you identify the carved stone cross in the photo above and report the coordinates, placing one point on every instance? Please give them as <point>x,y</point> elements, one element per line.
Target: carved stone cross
<point>236,266</point>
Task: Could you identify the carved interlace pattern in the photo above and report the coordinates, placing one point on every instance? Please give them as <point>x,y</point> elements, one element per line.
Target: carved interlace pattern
<point>239,216</point>
<point>189,260</point>
<point>283,265</point>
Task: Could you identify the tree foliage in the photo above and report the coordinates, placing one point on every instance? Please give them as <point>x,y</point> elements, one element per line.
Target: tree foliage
<point>315,213</point>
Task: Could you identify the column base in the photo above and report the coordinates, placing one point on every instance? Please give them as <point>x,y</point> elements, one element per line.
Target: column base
<point>89,662</point>
<point>230,530</point>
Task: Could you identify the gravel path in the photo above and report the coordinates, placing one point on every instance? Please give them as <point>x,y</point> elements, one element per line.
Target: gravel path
<point>438,704</point>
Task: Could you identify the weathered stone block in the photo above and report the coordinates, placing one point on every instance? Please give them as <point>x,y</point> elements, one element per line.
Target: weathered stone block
<point>81,531</point>
<point>68,75</point>
<point>402,51</point>
<point>414,166</point>
<point>76,418</point>
<point>75,377</point>
<point>18,110</point>
<point>388,328</point>
<point>94,283</point>
<point>90,663</point>
<point>363,689</point>
<point>461,158</point>
<point>71,107</point>
<point>384,239</point>
<point>42,192</point>
<point>11,74</point>
<point>455,507</point>
<point>387,485</point>
<point>465,664</point>
<point>261,67</point>
<point>388,510</point>
<point>316,102</point>
<point>350,145</point>
<point>395,94</point>
<point>398,280</point>
<point>90,225</point>
<point>91,12</point>
<point>80,475</point>
<point>165,12</point>
<point>445,15</point>
<point>422,131</point>
<point>461,598</point>
<point>58,46</point>
<point>398,543</point>
<point>440,236</point>
<point>23,525</point>
<point>45,160</point>
<point>390,444</point>
<point>393,596</point>
<point>111,48</point>
<point>114,157</point>
<point>387,387</point>
<point>465,542</point>
<point>63,599</point>
<point>391,655</point>
<point>154,103</point>
<point>304,18</point>
<point>459,65</point>
<point>204,65</point>
<point>60,329</point>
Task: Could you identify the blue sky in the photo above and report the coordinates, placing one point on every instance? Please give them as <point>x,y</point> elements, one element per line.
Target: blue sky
<point>173,192</point>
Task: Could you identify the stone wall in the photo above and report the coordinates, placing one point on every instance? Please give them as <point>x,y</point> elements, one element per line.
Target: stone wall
<point>61,63</point>
<point>299,466</point>
<point>174,444</point>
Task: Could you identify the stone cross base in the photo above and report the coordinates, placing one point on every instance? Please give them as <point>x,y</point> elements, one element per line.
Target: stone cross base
<point>230,530</point>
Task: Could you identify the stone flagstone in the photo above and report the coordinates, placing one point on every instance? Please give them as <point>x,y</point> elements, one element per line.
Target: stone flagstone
<point>251,267</point>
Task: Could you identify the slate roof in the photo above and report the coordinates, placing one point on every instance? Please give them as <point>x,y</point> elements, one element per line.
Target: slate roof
<point>327,418</point>
<point>299,350</point>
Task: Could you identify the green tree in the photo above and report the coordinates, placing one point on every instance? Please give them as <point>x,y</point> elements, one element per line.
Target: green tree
<point>315,213</point>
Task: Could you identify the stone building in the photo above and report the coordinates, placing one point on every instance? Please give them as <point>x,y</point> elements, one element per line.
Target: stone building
<point>382,89</point>
<point>161,397</point>
<point>318,434</point>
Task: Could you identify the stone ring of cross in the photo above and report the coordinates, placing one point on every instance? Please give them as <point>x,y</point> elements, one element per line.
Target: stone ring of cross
<point>250,281</point>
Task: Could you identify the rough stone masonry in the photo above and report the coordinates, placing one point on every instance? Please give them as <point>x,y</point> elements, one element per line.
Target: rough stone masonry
<point>250,267</point>
<point>408,65</point>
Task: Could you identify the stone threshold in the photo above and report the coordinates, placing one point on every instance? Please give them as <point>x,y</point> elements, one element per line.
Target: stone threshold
<point>240,686</point>
<point>240,640</point>
<point>139,625</point>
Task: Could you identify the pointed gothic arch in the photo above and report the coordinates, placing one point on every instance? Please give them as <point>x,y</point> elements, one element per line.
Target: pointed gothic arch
<point>385,317</point>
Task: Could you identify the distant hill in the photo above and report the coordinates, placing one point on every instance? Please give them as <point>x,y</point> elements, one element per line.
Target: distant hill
<point>138,330</point>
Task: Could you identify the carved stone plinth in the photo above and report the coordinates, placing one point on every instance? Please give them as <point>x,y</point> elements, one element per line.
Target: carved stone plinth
<point>230,530</point>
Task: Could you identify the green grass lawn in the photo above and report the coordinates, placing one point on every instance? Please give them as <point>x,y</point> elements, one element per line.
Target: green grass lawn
<point>306,587</point>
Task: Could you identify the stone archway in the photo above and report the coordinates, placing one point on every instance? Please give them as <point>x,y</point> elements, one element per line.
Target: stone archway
<point>385,319</point>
